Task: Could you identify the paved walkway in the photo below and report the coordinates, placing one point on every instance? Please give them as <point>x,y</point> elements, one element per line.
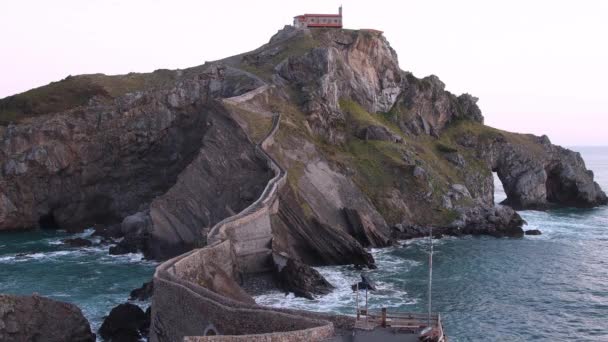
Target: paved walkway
<point>376,335</point>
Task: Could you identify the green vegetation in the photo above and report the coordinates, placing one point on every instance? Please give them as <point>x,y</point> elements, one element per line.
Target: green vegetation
<point>75,91</point>
<point>257,125</point>
<point>442,147</point>
<point>263,65</point>
<point>360,117</point>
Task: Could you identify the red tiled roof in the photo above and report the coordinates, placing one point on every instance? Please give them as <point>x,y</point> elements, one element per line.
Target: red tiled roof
<point>324,25</point>
<point>317,15</point>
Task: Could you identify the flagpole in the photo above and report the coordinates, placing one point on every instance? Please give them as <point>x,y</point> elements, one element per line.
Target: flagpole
<point>430,273</point>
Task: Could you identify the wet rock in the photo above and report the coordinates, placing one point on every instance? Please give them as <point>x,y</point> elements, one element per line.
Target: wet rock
<point>125,323</point>
<point>410,231</point>
<point>533,232</point>
<point>108,233</point>
<point>144,292</point>
<point>77,242</point>
<point>365,284</point>
<point>145,330</point>
<point>124,247</point>
<point>299,278</point>
<point>34,318</point>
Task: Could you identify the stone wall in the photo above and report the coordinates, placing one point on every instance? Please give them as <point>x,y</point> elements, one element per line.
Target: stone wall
<point>182,308</point>
<point>250,231</point>
<point>197,293</point>
<point>314,334</point>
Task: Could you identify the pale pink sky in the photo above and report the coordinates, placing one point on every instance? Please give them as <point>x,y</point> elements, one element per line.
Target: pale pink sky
<point>537,66</point>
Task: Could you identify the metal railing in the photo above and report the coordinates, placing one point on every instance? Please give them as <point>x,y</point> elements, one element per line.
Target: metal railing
<point>411,321</point>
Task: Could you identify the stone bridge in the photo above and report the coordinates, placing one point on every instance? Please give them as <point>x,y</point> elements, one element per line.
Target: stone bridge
<point>197,296</point>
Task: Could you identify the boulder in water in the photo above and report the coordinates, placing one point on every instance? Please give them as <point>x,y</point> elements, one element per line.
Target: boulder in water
<point>299,278</point>
<point>125,323</point>
<point>35,318</point>
<point>533,232</point>
<point>108,232</point>
<point>123,247</point>
<point>143,293</point>
<point>77,242</point>
<point>365,284</point>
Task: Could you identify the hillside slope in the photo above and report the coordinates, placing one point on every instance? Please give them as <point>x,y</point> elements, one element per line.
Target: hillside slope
<point>372,152</point>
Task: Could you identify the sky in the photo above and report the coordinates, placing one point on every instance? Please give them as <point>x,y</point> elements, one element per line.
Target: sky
<point>537,66</point>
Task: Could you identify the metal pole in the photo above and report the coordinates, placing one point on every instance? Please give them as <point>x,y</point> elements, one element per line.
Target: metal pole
<point>384,317</point>
<point>357,301</point>
<point>430,273</point>
<point>366,311</point>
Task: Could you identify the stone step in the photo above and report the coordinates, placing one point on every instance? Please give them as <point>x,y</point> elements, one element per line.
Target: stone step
<point>244,247</point>
<point>264,250</point>
<point>253,238</point>
<point>255,261</point>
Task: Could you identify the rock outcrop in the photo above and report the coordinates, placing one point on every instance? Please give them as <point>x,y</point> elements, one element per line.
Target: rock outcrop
<point>34,318</point>
<point>346,65</point>
<point>378,133</point>
<point>125,323</point>
<point>362,229</point>
<point>142,293</point>
<point>311,241</point>
<point>538,174</point>
<point>301,279</point>
<point>77,242</point>
<point>160,158</point>
<point>170,145</point>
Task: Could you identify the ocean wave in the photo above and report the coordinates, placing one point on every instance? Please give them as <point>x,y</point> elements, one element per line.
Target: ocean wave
<point>131,257</point>
<point>342,299</point>
<point>20,257</point>
<point>74,254</point>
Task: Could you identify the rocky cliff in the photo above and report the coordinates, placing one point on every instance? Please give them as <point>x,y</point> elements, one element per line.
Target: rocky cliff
<point>164,155</point>
<point>372,152</point>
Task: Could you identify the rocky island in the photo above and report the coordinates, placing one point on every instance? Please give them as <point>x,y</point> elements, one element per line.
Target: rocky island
<point>303,152</point>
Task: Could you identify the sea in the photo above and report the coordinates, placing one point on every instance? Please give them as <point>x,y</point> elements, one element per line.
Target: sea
<point>552,287</point>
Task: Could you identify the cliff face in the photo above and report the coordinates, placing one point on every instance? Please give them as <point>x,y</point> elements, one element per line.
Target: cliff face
<point>103,161</point>
<point>537,174</point>
<point>371,151</point>
<point>364,135</point>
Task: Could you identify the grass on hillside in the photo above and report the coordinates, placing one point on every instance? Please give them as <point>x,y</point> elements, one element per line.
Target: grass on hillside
<point>264,68</point>
<point>257,124</point>
<point>75,91</point>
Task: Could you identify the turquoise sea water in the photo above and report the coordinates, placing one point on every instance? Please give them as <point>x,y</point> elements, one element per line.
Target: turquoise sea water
<point>552,287</point>
<point>88,277</point>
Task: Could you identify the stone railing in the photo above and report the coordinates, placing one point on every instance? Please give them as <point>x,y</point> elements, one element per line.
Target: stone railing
<point>197,295</point>
<point>250,230</point>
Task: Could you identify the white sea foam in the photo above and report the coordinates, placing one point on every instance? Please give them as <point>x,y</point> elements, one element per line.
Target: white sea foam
<point>49,255</point>
<point>342,299</point>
